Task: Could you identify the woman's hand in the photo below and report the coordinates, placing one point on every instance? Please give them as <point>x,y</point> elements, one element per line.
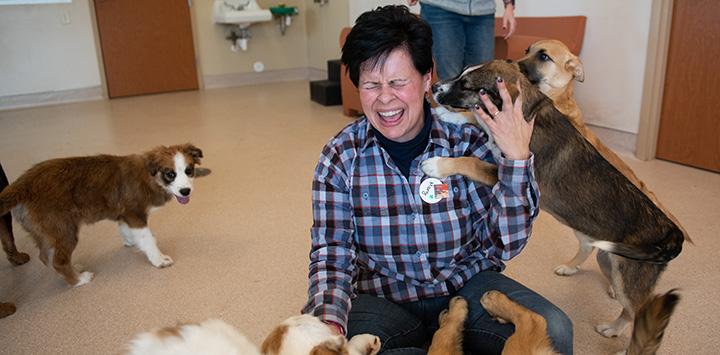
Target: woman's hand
<point>508,126</point>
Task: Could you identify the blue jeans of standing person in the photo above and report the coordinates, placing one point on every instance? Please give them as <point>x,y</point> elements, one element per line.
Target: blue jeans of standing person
<point>459,40</point>
<point>407,328</point>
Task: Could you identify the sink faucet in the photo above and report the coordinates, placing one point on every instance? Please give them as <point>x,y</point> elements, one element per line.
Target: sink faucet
<point>239,7</point>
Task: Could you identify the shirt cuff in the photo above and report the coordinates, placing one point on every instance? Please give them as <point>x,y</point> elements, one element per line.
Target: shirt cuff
<point>516,173</point>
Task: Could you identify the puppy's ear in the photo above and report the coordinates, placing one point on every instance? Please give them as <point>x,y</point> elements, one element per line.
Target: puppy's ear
<point>152,162</point>
<point>573,65</point>
<point>192,151</point>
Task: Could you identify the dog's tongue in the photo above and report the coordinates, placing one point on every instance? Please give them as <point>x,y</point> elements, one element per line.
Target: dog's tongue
<point>183,200</point>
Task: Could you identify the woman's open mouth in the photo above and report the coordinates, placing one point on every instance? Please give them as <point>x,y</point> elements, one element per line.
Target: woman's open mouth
<point>391,118</point>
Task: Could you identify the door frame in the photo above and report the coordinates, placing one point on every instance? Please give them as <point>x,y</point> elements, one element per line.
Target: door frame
<point>654,83</point>
<point>101,62</point>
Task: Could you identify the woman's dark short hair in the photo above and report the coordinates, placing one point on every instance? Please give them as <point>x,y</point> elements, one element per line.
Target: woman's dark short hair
<point>377,33</point>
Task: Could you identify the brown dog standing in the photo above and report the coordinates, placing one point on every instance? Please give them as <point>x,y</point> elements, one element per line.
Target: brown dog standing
<point>582,190</point>
<point>551,67</point>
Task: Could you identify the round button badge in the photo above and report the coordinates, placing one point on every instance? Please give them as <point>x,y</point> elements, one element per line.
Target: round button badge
<point>427,190</point>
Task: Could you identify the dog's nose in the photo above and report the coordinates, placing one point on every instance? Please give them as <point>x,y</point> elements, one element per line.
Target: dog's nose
<point>185,191</point>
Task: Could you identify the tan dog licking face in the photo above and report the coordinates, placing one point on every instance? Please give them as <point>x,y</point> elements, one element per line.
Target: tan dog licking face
<point>551,66</point>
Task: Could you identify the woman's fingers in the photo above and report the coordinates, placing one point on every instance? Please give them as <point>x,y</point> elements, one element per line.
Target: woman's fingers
<point>488,103</point>
<point>484,116</point>
<point>504,95</point>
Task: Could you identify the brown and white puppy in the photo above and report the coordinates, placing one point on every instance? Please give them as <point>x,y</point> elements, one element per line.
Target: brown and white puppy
<point>54,198</point>
<point>550,66</point>
<point>299,335</point>
<point>579,187</point>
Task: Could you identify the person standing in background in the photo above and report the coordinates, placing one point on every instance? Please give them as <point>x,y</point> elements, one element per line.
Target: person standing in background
<point>463,31</point>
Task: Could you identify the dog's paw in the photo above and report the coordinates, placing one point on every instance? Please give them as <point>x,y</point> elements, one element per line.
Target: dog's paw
<point>84,278</point>
<point>433,167</point>
<point>564,270</point>
<point>162,261</point>
<point>607,330</point>
<point>18,258</point>
<point>366,344</point>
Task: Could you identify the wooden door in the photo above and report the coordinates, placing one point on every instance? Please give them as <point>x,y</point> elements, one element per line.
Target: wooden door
<point>690,119</point>
<point>147,46</point>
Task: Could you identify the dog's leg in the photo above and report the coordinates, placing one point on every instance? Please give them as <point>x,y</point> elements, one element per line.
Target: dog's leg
<point>448,338</point>
<point>617,283</point>
<point>8,242</point>
<point>584,250</point>
<point>530,336</point>
<point>127,236</point>
<point>144,240</point>
<point>62,260</point>
<point>473,168</point>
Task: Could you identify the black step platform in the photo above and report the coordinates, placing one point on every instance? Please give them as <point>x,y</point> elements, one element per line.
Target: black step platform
<point>326,92</point>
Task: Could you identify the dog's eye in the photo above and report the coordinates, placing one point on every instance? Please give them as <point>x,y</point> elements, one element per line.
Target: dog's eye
<point>544,57</point>
<point>189,171</point>
<point>170,175</point>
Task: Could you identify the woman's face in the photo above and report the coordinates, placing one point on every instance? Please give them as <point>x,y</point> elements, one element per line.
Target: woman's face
<point>392,96</point>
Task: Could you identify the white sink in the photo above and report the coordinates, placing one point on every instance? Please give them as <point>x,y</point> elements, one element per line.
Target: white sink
<point>241,13</point>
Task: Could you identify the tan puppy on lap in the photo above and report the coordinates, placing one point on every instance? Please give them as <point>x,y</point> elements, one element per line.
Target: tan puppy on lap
<point>551,67</point>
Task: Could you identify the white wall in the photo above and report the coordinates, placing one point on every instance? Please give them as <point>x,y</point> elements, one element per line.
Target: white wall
<point>41,52</point>
<point>613,55</point>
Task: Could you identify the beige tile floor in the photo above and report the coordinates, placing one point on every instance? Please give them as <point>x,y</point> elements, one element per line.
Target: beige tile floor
<point>241,245</point>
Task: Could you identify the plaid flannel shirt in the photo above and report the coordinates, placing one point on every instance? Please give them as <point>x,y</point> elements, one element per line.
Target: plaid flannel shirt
<point>373,234</point>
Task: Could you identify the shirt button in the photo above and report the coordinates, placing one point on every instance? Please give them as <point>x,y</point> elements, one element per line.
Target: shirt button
<point>455,189</point>
<point>412,217</point>
<point>365,195</point>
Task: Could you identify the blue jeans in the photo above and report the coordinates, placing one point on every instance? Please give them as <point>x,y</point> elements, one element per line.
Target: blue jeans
<point>407,328</point>
<point>459,40</point>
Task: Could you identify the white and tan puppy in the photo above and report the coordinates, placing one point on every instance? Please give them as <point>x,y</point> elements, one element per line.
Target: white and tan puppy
<point>54,198</point>
<point>298,335</point>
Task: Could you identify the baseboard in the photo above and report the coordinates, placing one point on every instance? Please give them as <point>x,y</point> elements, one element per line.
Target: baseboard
<point>318,74</point>
<point>616,140</point>
<point>12,102</point>
<point>270,76</point>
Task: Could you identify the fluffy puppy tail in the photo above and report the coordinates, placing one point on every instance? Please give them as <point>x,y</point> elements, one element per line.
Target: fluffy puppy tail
<point>650,323</point>
<point>9,198</point>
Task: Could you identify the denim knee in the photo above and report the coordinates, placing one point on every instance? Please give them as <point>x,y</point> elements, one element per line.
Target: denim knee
<point>560,330</point>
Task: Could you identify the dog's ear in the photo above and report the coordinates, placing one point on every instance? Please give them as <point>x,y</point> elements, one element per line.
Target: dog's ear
<point>152,162</point>
<point>573,65</point>
<point>193,151</point>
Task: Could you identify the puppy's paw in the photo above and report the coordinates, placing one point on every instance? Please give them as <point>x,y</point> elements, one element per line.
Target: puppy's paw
<point>84,278</point>
<point>607,330</point>
<point>435,167</point>
<point>18,258</point>
<point>162,261</point>
<point>365,344</point>
<point>564,270</point>
<point>456,313</point>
